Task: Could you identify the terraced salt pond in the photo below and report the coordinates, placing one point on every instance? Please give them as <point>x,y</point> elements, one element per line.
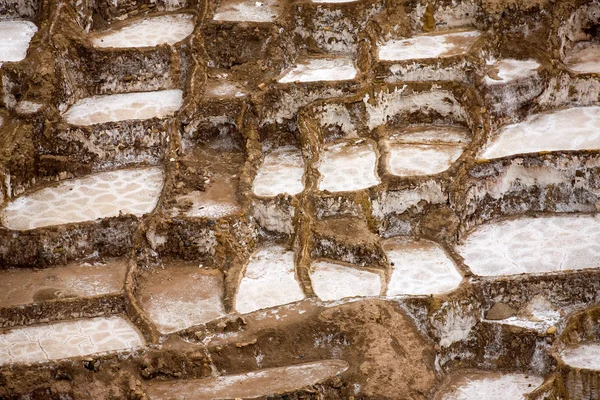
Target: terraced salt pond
<point>124,106</point>
<point>147,32</point>
<point>103,195</point>
<point>509,70</point>
<point>488,386</point>
<point>533,245</point>
<point>567,129</point>
<point>583,355</point>
<point>67,339</point>
<point>321,69</point>
<point>282,171</point>
<point>15,37</point>
<point>332,281</point>
<point>247,11</point>
<point>584,58</point>
<point>428,46</point>
<point>348,166</point>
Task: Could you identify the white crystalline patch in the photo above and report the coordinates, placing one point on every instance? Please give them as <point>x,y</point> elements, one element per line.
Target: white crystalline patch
<point>321,69</point>
<point>584,58</point>
<point>333,282</point>
<point>247,11</point>
<point>419,268</point>
<point>508,70</point>
<point>282,171</point>
<point>124,106</point>
<point>583,355</point>
<point>570,129</point>
<point>103,195</point>
<point>148,32</point>
<point>224,89</point>
<point>491,386</point>
<point>14,39</point>
<point>533,245</point>
<point>428,46</point>
<point>348,167</point>
<point>425,159</point>
<point>67,339</point>
<point>269,281</point>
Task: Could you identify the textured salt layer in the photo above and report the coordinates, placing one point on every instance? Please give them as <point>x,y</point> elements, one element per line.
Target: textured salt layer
<point>334,1</point>
<point>148,32</point>
<point>533,245</point>
<point>421,159</point>
<point>584,58</point>
<point>67,339</point>
<point>508,70</point>
<point>180,296</point>
<point>333,281</point>
<point>25,286</point>
<point>223,89</point>
<point>217,200</point>
<point>124,106</point>
<point>269,280</point>
<point>103,195</point>
<point>488,386</point>
<point>539,315</point>
<point>255,384</point>
<point>348,167</point>
<point>419,268</point>
<point>247,11</point>
<point>428,46</point>
<point>569,129</point>
<point>282,171</point>
<point>321,69</point>
<point>14,39</point>
<point>583,355</point>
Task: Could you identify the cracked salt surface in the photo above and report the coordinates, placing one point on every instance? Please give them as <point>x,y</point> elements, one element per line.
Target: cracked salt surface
<point>419,268</point>
<point>67,339</point>
<point>488,386</point>
<point>428,46</point>
<point>348,167</point>
<point>334,282</point>
<point>14,39</point>
<point>583,355</point>
<point>282,171</point>
<point>247,11</point>
<point>148,32</point>
<point>269,281</point>
<point>265,382</point>
<point>533,245</point>
<point>508,70</point>
<point>568,129</point>
<point>584,58</point>
<point>321,69</point>
<point>102,195</point>
<point>124,106</point>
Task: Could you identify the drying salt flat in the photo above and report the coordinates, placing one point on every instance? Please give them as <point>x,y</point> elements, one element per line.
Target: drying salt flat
<point>102,195</point>
<point>247,11</point>
<point>419,268</point>
<point>321,69</point>
<point>124,106</point>
<point>218,200</point>
<point>269,280</point>
<point>533,245</point>
<point>333,281</point>
<point>568,129</point>
<point>265,382</point>
<point>348,167</point>
<point>508,70</point>
<point>428,46</point>
<point>147,32</point>
<point>488,386</point>
<point>14,39</point>
<point>584,58</point>
<point>583,355</point>
<point>282,171</point>
<point>219,88</point>
<point>67,339</point>
<point>180,296</point>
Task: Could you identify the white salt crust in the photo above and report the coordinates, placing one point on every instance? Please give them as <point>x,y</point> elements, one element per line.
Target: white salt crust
<point>102,195</point>
<point>584,58</point>
<point>490,386</point>
<point>269,281</point>
<point>569,129</point>
<point>14,39</point>
<point>148,32</point>
<point>68,339</point>
<point>348,167</point>
<point>533,245</point>
<point>508,70</point>
<point>124,106</point>
<point>334,282</point>
<point>282,171</point>
<point>247,11</point>
<point>428,46</point>
<point>583,355</point>
<point>321,69</point>
<point>419,268</point>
